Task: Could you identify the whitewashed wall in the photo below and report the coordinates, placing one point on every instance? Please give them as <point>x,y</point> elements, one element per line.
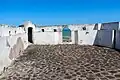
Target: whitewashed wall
<point>4,59</point>
<point>44,38</point>
<point>110,26</point>
<point>104,38</point>
<point>5,31</point>
<point>12,39</point>
<point>117,45</point>
<point>51,28</point>
<point>8,43</point>
<point>96,37</point>
<point>87,37</point>
<point>51,38</point>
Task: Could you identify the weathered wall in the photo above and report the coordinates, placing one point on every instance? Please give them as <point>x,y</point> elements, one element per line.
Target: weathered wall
<point>51,28</point>
<point>104,38</point>
<point>110,26</point>
<point>13,31</point>
<point>4,60</point>
<point>11,47</point>
<point>51,38</point>
<point>87,37</point>
<point>117,45</point>
<point>96,37</point>
<point>44,38</point>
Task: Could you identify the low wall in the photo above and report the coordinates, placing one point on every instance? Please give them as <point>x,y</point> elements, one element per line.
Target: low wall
<point>96,37</point>
<point>44,38</point>
<point>117,43</point>
<point>87,37</point>
<point>104,38</point>
<point>4,59</point>
<point>11,47</point>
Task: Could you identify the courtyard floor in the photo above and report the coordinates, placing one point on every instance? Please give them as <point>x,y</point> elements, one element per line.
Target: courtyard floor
<point>65,62</point>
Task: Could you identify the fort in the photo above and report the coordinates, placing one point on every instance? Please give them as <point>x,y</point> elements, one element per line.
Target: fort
<point>15,40</point>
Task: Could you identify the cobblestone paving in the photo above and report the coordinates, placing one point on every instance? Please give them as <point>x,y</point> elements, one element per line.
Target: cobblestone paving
<point>65,62</point>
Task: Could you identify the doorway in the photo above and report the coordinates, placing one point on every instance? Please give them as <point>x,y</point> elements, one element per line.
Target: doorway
<point>66,34</point>
<point>76,37</point>
<point>30,35</point>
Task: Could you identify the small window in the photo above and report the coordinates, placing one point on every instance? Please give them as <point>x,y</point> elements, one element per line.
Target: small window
<point>42,30</point>
<point>87,32</point>
<point>84,28</point>
<point>55,30</point>
<point>15,32</point>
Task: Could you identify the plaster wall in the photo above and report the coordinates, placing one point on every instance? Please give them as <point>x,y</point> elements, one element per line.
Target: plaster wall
<point>110,26</point>
<point>99,26</point>
<point>5,31</point>
<point>51,29</point>
<point>51,38</point>
<point>104,38</point>
<point>44,38</point>
<point>117,45</point>
<point>12,39</point>
<point>90,26</point>
<point>96,37</point>
<point>75,27</point>
<point>86,37</point>
<point>10,48</point>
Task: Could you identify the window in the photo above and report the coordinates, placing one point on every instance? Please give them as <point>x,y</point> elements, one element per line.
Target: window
<point>42,30</point>
<point>55,30</point>
<point>87,32</point>
<point>84,28</point>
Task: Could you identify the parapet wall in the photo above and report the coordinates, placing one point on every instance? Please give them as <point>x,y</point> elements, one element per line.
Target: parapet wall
<point>11,47</point>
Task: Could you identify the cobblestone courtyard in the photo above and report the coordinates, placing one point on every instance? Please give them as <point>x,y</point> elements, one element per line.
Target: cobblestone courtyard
<point>65,62</point>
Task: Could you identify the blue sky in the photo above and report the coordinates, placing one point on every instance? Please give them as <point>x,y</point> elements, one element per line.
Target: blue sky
<point>48,12</point>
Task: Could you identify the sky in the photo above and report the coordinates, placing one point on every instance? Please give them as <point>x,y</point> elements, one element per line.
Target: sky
<point>52,12</point>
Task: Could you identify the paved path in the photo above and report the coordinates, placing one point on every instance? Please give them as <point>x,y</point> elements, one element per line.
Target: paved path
<point>66,62</point>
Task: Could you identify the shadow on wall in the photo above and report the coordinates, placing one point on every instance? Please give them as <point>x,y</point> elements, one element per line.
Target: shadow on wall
<point>17,49</point>
<point>95,27</point>
<point>96,41</point>
<point>105,38</point>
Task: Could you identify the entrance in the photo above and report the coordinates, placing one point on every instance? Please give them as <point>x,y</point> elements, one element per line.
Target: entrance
<point>76,37</point>
<point>66,34</point>
<point>30,35</point>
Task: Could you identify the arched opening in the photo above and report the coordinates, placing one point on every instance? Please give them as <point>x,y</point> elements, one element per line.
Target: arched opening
<point>30,35</point>
<point>66,34</point>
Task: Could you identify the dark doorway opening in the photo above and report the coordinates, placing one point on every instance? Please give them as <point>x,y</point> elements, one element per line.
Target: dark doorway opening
<point>76,37</point>
<point>66,35</point>
<point>30,35</point>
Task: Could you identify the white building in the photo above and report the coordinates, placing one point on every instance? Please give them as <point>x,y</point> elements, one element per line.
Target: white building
<point>15,40</point>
